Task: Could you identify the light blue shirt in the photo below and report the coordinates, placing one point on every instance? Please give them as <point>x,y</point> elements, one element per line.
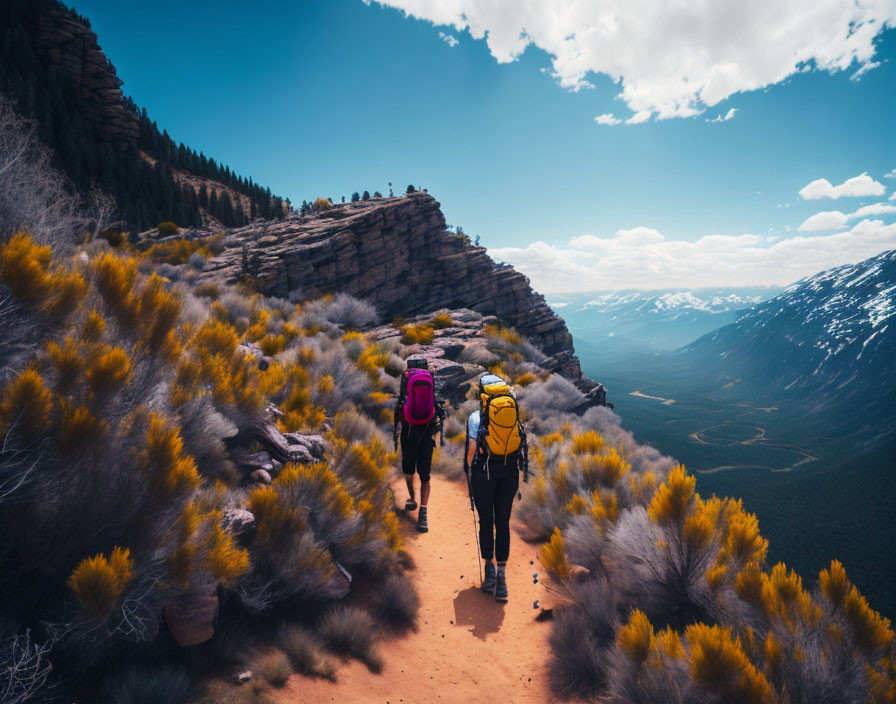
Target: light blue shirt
<point>473,425</point>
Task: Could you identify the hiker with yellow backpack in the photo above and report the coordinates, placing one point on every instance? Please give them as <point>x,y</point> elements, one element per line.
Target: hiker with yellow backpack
<point>496,453</point>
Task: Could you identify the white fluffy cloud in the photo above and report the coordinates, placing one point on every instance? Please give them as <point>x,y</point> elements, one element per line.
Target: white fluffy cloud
<point>875,209</point>
<point>607,118</point>
<point>861,185</point>
<point>671,59</point>
<point>825,220</point>
<point>644,258</point>
<point>834,219</point>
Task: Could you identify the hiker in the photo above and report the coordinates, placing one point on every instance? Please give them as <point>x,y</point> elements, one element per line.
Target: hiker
<point>496,452</point>
<point>418,417</point>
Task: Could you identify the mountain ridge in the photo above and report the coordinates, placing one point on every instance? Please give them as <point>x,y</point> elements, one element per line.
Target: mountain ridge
<point>55,73</point>
<point>634,323</point>
<point>822,343</point>
<point>399,254</point>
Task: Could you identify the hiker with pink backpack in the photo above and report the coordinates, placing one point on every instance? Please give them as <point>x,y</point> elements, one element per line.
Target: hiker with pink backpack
<point>418,417</point>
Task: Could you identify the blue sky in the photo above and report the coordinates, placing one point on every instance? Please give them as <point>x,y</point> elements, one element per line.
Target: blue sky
<point>324,98</point>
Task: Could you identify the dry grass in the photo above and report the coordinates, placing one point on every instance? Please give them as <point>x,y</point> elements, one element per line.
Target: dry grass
<point>221,692</point>
<point>397,603</point>
<point>350,632</point>
<point>273,667</point>
<point>305,651</point>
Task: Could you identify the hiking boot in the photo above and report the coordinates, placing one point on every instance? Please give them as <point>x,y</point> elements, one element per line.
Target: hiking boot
<point>500,585</point>
<point>422,524</point>
<point>410,505</point>
<point>488,584</point>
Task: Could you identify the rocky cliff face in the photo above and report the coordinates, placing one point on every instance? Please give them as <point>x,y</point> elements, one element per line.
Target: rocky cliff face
<point>398,254</point>
<point>73,47</point>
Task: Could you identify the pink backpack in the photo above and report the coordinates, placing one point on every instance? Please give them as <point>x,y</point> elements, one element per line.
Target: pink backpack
<point>420,398</point>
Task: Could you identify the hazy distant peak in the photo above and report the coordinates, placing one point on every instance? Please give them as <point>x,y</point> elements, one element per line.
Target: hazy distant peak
<point>668,300</point>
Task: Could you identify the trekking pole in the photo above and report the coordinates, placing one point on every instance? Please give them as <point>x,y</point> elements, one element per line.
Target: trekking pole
<point>475,526</point>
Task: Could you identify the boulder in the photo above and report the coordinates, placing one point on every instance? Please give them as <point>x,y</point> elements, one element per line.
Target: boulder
<point>238,521</point>
<point>260,476</point>
<point>451,347</point>
<point>190,615</point>
<point>254,461</point>
<point>306,448</point>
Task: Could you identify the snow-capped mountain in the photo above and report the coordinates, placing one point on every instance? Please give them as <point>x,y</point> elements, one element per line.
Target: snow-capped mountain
<point>827,342</point>
<point>659,302</point>
<point>654,320</point>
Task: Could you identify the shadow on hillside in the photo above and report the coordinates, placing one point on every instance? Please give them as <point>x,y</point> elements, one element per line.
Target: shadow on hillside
<point>481,611</point>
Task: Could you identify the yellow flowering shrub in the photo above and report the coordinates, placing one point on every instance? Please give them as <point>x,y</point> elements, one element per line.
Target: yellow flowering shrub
<point>26,405</point>
<point>587,443</point>
<point>553,556</point>
<point>671,501</point>
<point>636,637</point>
<point>441,321</point>
<point>108,368</point>
<point>501,333</point>
<point>168,468</point>
<point>99,581</point>
<point>416,335</point>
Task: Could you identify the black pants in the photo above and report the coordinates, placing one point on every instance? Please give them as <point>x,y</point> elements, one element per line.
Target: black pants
<point>494,502</point>
<point>417,445</point>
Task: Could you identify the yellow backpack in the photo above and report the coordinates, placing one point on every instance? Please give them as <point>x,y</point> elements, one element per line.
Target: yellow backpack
<point>499,429</point>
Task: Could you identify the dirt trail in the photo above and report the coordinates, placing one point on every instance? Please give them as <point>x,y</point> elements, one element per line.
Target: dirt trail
<point>468,648</point>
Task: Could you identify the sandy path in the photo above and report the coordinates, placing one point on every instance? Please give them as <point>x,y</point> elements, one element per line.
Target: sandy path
<point>468,648</point>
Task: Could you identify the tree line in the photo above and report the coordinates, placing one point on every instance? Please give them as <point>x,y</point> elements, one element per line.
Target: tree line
<point>146,193</point>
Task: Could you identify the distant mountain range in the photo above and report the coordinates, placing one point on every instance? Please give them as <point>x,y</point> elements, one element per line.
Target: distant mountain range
<point>790,404</point>
<point>625,322</point>
<point>826,347</point>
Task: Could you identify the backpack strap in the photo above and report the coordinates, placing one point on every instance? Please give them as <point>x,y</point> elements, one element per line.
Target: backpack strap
<point>401,399</point>
<point>483,428</point>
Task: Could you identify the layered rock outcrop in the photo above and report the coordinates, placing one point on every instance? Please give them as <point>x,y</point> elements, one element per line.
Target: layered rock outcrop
<point>398,254</point>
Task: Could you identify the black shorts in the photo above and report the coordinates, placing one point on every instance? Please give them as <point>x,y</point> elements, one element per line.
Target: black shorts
<point>417,445</point>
